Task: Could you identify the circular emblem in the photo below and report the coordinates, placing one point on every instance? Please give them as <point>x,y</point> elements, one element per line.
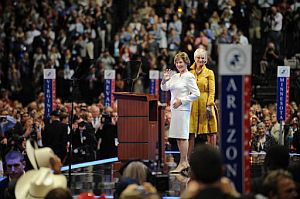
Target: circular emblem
<point>49,74</point>
<point>153,75</point>
<point>109,74</point>
<point>235,59</point>
<point>283,72</point>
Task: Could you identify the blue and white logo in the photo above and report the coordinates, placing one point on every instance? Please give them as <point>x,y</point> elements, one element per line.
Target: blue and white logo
<point>235,59</point>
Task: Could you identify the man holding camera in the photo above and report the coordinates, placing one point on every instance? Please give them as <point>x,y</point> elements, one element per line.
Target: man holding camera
<point>6,123</point>
<point>274,19</point>
<point>84,143</point>
<point>270,60</point>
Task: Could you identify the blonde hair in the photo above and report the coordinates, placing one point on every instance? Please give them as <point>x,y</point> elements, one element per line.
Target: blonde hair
<point>136,170</point>
<point>183,56</point>
<point>200,51</point>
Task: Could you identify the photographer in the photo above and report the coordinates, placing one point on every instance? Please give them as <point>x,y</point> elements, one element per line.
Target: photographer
<point>270,60</point>
<point>84,143</point>
<point>33,129</point>
<point>107,135</point>
<point>6,124</point>
<point>274,21</point>
<point>15,136</point>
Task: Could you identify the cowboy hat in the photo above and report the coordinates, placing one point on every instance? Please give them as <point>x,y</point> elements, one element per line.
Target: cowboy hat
<point>35,184</point>
<point>38,157</point>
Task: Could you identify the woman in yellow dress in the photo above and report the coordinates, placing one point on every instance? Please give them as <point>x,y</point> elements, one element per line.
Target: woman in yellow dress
<point>203,118</point>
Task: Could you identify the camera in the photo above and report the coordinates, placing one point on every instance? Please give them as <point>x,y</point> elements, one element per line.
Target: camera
<point>82,124</point>
<point>3,119</point>
<point>33,134</point>
<point>106,118</point>
<point>271,48</point>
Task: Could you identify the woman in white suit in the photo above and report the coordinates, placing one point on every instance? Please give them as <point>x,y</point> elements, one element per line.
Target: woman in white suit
<point>183,90</point>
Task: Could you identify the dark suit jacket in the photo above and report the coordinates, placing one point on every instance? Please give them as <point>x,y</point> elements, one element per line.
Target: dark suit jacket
<point>55,137</point>
<point>84,145</point>
<point>3,186</point>
<point>7,188</point>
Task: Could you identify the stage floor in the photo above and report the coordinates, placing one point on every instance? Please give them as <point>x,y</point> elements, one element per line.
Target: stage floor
<point>101,176</point>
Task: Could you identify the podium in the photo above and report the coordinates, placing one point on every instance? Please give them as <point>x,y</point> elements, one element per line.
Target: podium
<point>138,126</point>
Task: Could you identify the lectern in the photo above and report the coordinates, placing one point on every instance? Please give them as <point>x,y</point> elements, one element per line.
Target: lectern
<point>137,126</point>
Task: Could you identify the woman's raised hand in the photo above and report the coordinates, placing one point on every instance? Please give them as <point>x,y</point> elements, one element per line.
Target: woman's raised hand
<point>167,75</point>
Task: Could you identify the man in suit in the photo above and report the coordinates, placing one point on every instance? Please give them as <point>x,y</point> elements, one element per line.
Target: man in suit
<point>96,117</point>
<point>55,135</point>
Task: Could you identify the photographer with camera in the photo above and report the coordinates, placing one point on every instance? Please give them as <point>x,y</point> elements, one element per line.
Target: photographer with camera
<point>12,131</point>
<point>107,135</point>
<point>6,122</point>
<point>33,129</point>
<point>84,142</point>
<point>6,125</point>
<point>270,60</point>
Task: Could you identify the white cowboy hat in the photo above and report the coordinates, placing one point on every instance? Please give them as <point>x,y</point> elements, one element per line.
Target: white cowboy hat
<point>38,157</point>
<point>35,184</point>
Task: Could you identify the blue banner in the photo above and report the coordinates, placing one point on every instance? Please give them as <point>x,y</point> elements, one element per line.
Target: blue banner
<point>152,87</point>
<point>107,92</point>
<point>48,97</point>
<point>232,119</point>
<point>162,94</point>
<point>154,82</point>
<point>49,91</point>
<point>281,98</point>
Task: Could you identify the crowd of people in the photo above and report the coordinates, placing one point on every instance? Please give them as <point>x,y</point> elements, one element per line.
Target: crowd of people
<point>94,130</point>
<point>266,131</point>
<point>81,39</point>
